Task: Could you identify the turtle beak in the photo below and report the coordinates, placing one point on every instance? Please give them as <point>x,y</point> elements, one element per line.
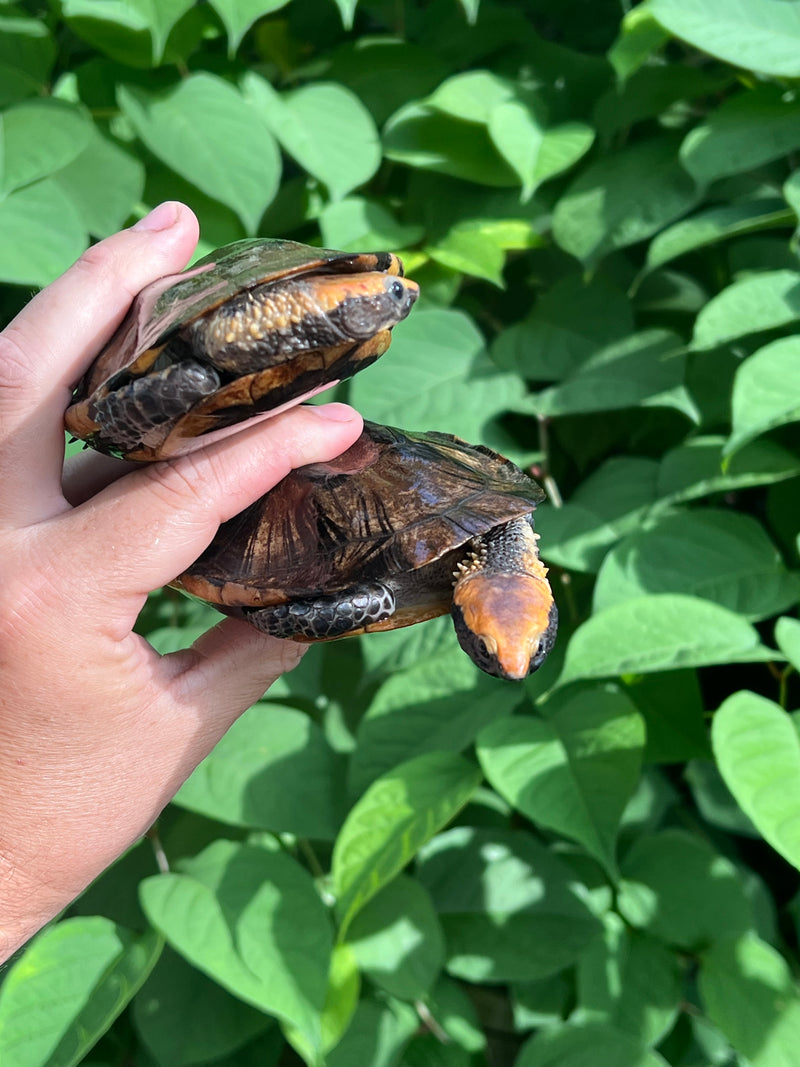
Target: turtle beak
<point>505,622</point>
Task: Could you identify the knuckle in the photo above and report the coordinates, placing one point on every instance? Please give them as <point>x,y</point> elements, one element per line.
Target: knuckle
<point>184,482</point>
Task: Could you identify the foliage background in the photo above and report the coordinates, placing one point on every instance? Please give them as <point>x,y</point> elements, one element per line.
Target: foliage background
<point>600,205</point>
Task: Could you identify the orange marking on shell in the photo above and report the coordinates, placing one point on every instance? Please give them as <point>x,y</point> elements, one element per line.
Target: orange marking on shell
<point>509,611</point>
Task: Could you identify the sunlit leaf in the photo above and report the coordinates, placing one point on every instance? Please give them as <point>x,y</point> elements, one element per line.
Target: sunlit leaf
<point>660,632</point>
<point>67,987</point>
<point>230,156</point>
<point>766,391</point>
<point>392,820</point>
<point>761,34</point>
<point>758,751</point>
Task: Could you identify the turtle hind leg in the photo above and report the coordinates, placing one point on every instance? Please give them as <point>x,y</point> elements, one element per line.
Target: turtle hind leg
<point>325,617</point>
<point>126,415</point>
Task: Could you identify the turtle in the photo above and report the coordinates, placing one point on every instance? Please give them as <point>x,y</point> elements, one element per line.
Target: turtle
<point>402,527</point>
<point>256,326</point>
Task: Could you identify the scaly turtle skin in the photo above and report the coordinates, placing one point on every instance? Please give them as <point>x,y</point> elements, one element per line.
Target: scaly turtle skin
<point>254,327</point>
<point>401,528</point>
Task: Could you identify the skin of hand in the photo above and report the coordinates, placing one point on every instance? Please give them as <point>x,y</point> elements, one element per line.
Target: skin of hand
<point>97,730</point>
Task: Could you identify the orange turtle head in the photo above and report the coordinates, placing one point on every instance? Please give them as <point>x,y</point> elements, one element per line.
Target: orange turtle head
<point>506,623</point>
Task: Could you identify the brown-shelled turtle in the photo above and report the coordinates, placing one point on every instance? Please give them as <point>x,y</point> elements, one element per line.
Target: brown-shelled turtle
<point>253,327</point>
<point>401,528</point>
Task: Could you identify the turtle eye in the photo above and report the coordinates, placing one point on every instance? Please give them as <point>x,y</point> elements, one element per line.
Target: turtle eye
<point>396,290</point>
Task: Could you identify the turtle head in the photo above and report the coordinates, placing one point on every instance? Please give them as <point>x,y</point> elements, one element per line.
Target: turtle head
<point>506,623</point>
<point>362,305</point>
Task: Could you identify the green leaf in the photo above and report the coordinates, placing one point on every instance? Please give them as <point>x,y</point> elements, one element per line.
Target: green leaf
<point>356,225</point>
<point>716,224</point>
<point>749,993</point>
<point>273,770</point>
<point>344,985</point>
<point>671,703</point>
<point>763,301</point>
<point>230,156</point>
<point>509,907</point>
<point>745,132</point>
<point>392,820</point>
<point>699,468</point>
<point>766,391</point>
<point>714,800</point>
<point>757,749</point>
<point>568,324</point>
<point>27,53</point>
<point>535,150</point>
<point>39,137</point>
<point>645,370</point>
<point>787,638</point>
<point>629,981</point>
<point>622,199</point>
<point>239,15</point>
<point>397,940</point>
<point>323,127</point>
<point>471,8</point>
<point>791,192</point>
<point>251,920</point>
<point>573,772</point>
<point>62,994</point>
<point>437,375</point>
<point>723,556</point>
<point>184,1018</point>
<point>99,21</point>
<point>640,36</point>
<point>604,507</point>
<point>655,92</point>
<point>660,632</point>
<point>581,1046</point>
<point>438,704</point>
<point>472,248</point>
<point>678,889</point>
<point>41,234</point>
<point>423,137</point>
<point>762,35</point>
<point>472,95</point>
<point>542,1002</point>
<point>105,184</point>
<point>386,72</point>
<point>377,1034</point>
<point>347,11</point>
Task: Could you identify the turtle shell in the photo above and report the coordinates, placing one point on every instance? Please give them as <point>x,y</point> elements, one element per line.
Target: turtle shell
<point>113,406</point>
<point>396,506</point>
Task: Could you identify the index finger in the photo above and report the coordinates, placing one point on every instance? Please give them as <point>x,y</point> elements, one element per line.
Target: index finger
<point>45,349</point>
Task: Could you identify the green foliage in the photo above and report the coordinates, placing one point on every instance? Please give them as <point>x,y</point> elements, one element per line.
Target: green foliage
<point>601,213</point>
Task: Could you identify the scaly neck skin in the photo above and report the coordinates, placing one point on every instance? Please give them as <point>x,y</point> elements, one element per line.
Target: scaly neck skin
<point>502,603</point>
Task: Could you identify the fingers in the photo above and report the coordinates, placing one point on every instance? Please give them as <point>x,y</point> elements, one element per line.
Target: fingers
<point>49,344</point>
<point>228,669</point>
<point>146,528</point>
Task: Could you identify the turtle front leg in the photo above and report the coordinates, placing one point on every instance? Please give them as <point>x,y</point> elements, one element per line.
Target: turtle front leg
<point>503,608</point>
<point>324,617</point>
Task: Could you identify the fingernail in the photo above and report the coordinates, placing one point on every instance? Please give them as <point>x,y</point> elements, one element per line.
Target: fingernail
<point>160,218</point>
<point>334,412</point>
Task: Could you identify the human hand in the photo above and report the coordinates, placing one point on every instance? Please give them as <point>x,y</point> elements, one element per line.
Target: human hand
<point>97,731</point>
